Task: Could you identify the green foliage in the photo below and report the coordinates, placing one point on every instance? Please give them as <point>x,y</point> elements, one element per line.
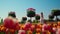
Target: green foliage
<point>51,17</point>
<point>22,22</point>
<point>30,13</point>
<point>24,18</point>
<point>1,20</point>
<point>37,17</point>
<point>35,21</point>
<point>56,12</point>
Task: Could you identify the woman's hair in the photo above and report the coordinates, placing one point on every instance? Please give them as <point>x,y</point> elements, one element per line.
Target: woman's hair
<point>12,14</point>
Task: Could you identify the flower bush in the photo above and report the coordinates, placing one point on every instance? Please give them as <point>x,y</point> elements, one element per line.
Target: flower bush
<point>37,28</point>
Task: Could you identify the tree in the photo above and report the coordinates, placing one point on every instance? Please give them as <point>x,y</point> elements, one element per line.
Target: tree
<point>51,17</point>
<point>2,20</point>
<point>35,21</point>
<point>37,16</point>
<point>24,19</point>
<point>56,12</point>
<point>30,13</point>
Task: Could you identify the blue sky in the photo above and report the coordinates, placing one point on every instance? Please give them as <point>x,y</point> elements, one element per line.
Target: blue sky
<point>20,6</point>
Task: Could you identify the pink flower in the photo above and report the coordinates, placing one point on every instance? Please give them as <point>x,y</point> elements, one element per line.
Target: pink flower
<point>21,32</point>
<point>31,9</point>
<point>58,31</point>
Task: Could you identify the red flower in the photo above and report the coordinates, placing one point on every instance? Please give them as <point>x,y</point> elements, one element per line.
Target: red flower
<point>9,23</point>
<point>32,27</point>
<point>28,25</point>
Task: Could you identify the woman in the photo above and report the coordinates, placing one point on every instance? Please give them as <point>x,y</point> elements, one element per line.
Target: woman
<point>11,23</point>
